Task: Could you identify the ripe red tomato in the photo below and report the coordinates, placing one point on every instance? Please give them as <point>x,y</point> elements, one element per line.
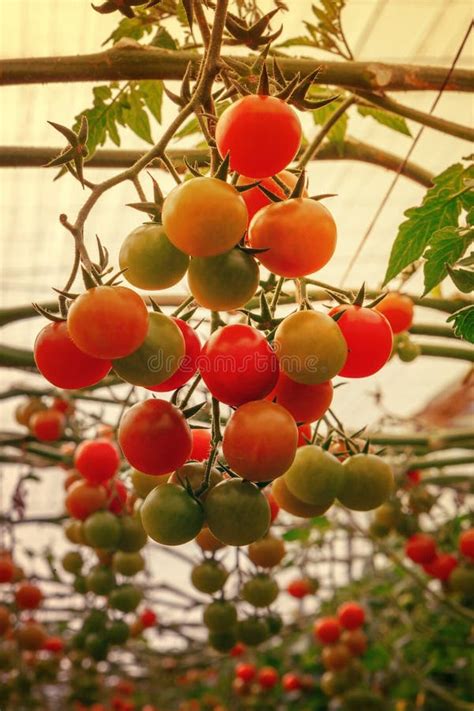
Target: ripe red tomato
<point>245,671</point>
<point>148,618</point>
<point>238,649</point>
<point>47,425</point>
<point>421,548</point>
<point>155,437</point>
<point>304,435</point>
<point>54,644</point>
<point>82,499</point>
<point>398,310</point>
<point>7,568</point>
<point>268,677</point>
<point>97,460</point>
<point>414,478</point>
<point>28,596</point>
<point>327,630</point>
<point>204,217</point>
<point>262,134</point>
<point>117,495</point>
<point>306,403</point>
<point>351,615</point>
<point>442,566</point>
<point>300,588</point>
<point>189,363</point>
<point>201,448</point>
<point>369,340</point>
<point>466,543</point>
<point>61,362</point>
<point>300,235</point>
<point>238,365</point>
<point>291,682</point>
<point>255,198</point>
<point>260,440</point>
<point>108,321</point>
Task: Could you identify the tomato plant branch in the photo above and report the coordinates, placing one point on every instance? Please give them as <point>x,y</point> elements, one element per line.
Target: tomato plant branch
<point>349,149</point>
<point>152,63</point>
<point>439,124</point>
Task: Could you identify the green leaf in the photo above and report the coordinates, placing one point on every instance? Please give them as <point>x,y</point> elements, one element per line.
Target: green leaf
<point>296,534</point>
<point>376,658</point>
<point>446,246</point>
<point>463,321</point>
<point>134,28</point>
<point>386,118</point>
<point>320,522</point>
<point>152,92</point>
<point>463,279</point>
<point>438,209</point>
<point>338,131</point>
<point>136,117</point>
<point>163,39</point>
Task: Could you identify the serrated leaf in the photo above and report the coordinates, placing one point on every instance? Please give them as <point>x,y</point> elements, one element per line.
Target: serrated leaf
<point>136,117</point>
<point>376,657</point>
<point>111,127</point>
<point>397,123</point>
<point>436,211</point>
<point>463,323</point>
<point>152,92</point>
<point>463,279</point>
<point>445,248</point>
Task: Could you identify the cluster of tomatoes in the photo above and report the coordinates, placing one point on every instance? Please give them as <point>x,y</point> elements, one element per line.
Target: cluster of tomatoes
<point>100,505</point>
<point>455,571</point>
<point>278,384</point>
<point>46,422</point>
<point>29,654</point>
<point>344,641</point>
<point>250,680</point>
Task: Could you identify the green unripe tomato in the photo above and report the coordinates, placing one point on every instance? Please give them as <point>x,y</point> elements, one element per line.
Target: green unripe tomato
<point>157,358</point>
<point>102,530</point>
<point>128,564</point>
<point>125,598</point>
<point>118,632</point>
<point>222,641</point>
<point>150,259</point>
<point>260,591</point>
<point>100,580</point>
<point>315,476</point>
<point>72,562</point>
<point>209,577</point>
<point>224,282</point>
<point>367,482</point>
<point>171,516</point>
<point>133,536</point>
<point>220,616</point>
<point>252,631</point>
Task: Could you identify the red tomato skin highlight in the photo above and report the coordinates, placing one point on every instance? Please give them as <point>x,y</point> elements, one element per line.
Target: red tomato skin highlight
<point>238,365</point>
<point>262,134</point>
<point>155,437</point>
<point>369,340</point>
<point>61,362</point>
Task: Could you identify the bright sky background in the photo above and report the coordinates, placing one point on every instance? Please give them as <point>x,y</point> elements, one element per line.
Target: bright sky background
<point>36,252</point>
